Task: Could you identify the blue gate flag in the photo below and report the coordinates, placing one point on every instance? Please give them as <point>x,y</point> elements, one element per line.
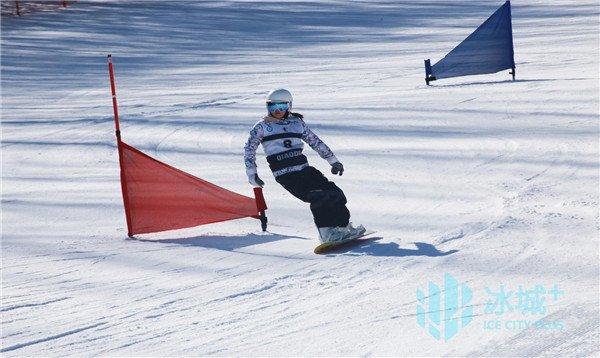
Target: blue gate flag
<point>488,49</point>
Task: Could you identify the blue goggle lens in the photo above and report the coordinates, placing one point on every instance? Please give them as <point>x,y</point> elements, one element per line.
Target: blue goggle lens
<point>272,107</point>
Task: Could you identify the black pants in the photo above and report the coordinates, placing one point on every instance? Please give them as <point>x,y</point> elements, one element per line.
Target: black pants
<point>327,201</point>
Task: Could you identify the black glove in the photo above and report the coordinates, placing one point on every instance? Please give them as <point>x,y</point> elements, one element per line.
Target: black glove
<point>337,167</point>
<point>256,181</point>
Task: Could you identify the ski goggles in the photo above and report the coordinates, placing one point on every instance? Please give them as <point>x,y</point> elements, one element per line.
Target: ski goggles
<point>278,106</point>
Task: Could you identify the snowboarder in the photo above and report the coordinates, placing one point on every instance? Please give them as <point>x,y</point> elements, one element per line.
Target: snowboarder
<point>281,134</point>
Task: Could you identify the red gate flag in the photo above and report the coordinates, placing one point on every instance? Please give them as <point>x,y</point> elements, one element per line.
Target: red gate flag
<point>159,197</point>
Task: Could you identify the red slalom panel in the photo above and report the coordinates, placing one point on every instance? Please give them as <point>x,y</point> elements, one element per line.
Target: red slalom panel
<point>161,197</point>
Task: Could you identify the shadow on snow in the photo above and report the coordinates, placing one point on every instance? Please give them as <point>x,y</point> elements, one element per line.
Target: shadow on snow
<point>219,242</point>
<point>373,248</point>
<point>365,247</point>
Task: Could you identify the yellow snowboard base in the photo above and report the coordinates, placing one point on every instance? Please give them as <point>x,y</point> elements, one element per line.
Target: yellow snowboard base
<point>329,246</point>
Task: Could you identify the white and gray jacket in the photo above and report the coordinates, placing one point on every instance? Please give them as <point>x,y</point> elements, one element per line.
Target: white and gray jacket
<point>282,142</point>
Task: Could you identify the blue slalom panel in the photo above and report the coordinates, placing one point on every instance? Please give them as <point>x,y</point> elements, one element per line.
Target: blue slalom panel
<point>488,49</point>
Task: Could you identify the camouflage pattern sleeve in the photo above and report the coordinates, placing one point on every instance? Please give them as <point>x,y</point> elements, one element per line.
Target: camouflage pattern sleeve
<point>252,144</point>
<point>317,144</point>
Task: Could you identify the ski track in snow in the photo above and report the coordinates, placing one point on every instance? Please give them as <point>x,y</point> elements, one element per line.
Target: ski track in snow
<point>493,181</point>
<point>50,338</point>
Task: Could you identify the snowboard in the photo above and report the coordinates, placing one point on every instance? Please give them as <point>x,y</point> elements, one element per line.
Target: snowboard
<point>331,246</point>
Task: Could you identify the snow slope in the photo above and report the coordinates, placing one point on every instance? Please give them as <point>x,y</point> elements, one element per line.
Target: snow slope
<point>492,181</point>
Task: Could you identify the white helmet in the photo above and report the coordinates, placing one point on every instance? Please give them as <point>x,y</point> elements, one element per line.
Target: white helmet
<point>279,95</point>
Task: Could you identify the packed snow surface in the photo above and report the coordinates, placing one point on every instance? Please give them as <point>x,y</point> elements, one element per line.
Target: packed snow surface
<point>491,181</point>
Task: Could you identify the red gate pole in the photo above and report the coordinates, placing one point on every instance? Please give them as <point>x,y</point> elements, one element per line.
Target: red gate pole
<point>17,6</point>
<point>119,146</point>
<point>261,206</point>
